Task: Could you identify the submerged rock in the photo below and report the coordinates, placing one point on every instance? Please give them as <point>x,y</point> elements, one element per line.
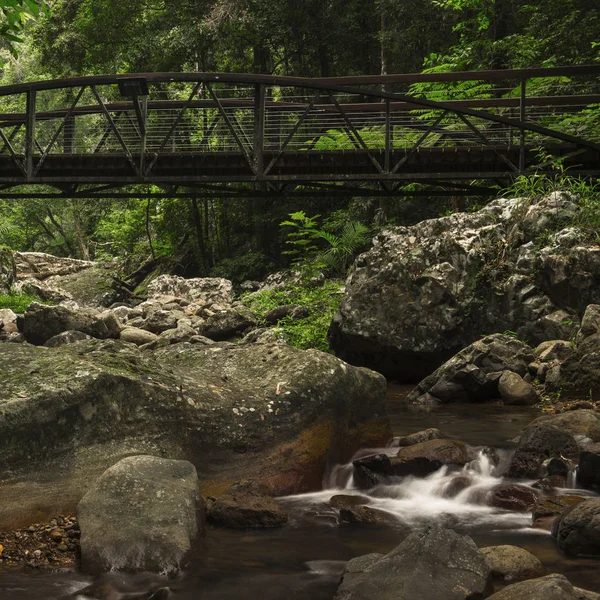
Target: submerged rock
<point>514,497</point>
<point>142,514</point>
<point>441,282</point>
<point>418,437</point>
<point>266,411</point>
<point>552,506</point>
<point>431,563</point>
<point>364,515</point>
<point>126,586</point>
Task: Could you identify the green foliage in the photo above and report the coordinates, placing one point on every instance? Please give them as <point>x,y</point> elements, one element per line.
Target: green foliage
<point>14,16</point>
<point>341,247</point>
<point>321,301</point>
<point>18,303</point>
<point>585,192</point>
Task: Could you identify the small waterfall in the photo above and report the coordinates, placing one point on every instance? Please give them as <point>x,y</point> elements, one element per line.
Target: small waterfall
<point>449,493</point>
<point>572,479</point>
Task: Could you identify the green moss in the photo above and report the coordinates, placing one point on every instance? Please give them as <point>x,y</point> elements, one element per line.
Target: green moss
<point>17,302</point>
<point>322,303</point>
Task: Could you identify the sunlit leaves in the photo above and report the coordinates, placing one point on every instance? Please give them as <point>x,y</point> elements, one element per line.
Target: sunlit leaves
<point>14,14</point>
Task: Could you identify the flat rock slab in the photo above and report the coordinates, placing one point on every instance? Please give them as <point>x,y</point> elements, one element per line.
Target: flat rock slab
<point>142,514</point>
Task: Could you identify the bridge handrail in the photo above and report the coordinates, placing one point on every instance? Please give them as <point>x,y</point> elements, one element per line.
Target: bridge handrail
<point>303,82</point>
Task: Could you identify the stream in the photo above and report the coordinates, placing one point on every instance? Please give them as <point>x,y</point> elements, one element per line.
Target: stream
<point>303,560</point>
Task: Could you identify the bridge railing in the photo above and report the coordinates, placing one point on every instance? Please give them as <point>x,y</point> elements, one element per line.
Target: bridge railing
<point>515,115</point>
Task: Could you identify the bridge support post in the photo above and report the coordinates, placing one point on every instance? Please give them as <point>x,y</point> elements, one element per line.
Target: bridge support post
<point>259,129</point>
<point>522,112</point>
<point>388,135</point>
<point>30,133</point>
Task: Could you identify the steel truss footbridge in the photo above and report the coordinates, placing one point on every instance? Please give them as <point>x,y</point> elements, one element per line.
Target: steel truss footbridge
<point>192,134</point>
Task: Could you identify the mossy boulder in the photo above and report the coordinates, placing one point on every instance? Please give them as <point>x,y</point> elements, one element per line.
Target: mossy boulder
<point>268,412</point>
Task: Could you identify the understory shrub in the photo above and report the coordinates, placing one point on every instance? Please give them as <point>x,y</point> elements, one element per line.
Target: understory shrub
<point>18,303</point>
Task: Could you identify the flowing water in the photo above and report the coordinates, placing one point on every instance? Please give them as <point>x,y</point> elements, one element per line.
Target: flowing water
<point>303,560</point>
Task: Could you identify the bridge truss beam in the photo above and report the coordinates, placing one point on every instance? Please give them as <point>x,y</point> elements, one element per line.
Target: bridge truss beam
<point>253,135</point>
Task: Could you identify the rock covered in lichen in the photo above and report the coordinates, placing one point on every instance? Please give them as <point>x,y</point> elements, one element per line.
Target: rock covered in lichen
<point>8,269</point>
<point>423,293</point>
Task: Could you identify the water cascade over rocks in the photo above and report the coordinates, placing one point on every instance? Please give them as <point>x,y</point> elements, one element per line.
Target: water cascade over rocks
<point>452,494</point>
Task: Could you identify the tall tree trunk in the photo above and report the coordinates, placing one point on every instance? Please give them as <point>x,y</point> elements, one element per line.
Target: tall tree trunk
<point>60,230</point>
<point>83,247</point>
<point>148,233</point>
<point>199,234</point>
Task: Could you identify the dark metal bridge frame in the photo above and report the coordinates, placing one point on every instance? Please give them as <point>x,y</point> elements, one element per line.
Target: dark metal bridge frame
<point>192,134</point>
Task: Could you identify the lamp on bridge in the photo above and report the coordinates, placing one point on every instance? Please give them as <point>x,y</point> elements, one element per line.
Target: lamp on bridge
<point>133,87</point>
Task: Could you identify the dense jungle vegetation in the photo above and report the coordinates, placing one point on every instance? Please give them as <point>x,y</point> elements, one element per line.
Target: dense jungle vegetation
<point>243,238</point>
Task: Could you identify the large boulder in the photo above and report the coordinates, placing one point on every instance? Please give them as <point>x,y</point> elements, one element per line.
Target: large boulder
<point>417,460</point>
<point>579,375</point>
<point>550,587</point>
<point>42,266</point>
<point>473,374</point>
<point>42,322</point>
<point>431,563</point>
<point>91,285</point>
<point>227,323</point>
<point>441,282</point>
<point>577,530</point>
<point>537,444</point>
<point>8,269</point>
<point>514,390</point>
<point>142,514</point>
<point>208,290</point>
<point>590,324</point>
<point>270,413</point>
